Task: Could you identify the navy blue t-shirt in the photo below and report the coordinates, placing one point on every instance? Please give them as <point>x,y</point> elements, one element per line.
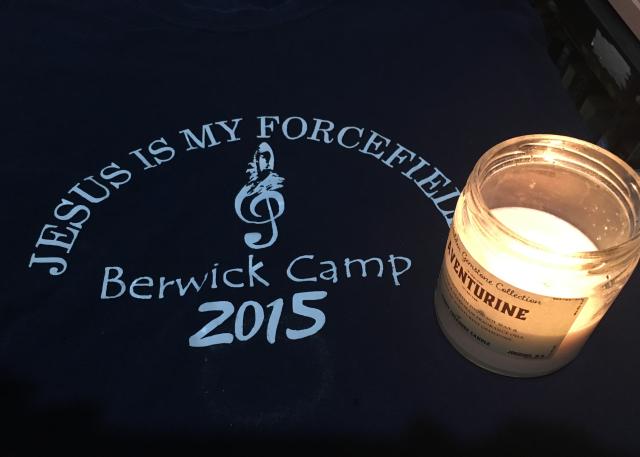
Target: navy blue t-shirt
<point>224,222</point>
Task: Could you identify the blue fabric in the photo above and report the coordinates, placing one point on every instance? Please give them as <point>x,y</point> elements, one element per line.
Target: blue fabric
<point>86,86</point>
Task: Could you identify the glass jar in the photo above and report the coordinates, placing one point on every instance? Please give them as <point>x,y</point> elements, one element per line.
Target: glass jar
<point>545,234</point>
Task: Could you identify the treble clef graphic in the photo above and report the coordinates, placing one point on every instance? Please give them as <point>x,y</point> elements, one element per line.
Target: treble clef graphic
<point>262,189</point>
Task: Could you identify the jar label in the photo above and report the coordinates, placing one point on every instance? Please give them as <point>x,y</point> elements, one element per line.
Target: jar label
<point>498,315</point>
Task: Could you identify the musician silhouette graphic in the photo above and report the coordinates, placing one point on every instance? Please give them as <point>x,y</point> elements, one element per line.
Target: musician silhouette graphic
<point>255,202</point>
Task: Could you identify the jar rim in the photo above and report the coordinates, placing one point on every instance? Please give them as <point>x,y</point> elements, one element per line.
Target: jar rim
<point>629,245</point>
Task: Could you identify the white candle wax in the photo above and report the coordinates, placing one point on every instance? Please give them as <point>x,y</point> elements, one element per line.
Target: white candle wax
<point>556,234</point>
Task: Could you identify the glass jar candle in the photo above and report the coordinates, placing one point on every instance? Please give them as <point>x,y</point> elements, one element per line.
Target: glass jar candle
<point>545,234</point>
